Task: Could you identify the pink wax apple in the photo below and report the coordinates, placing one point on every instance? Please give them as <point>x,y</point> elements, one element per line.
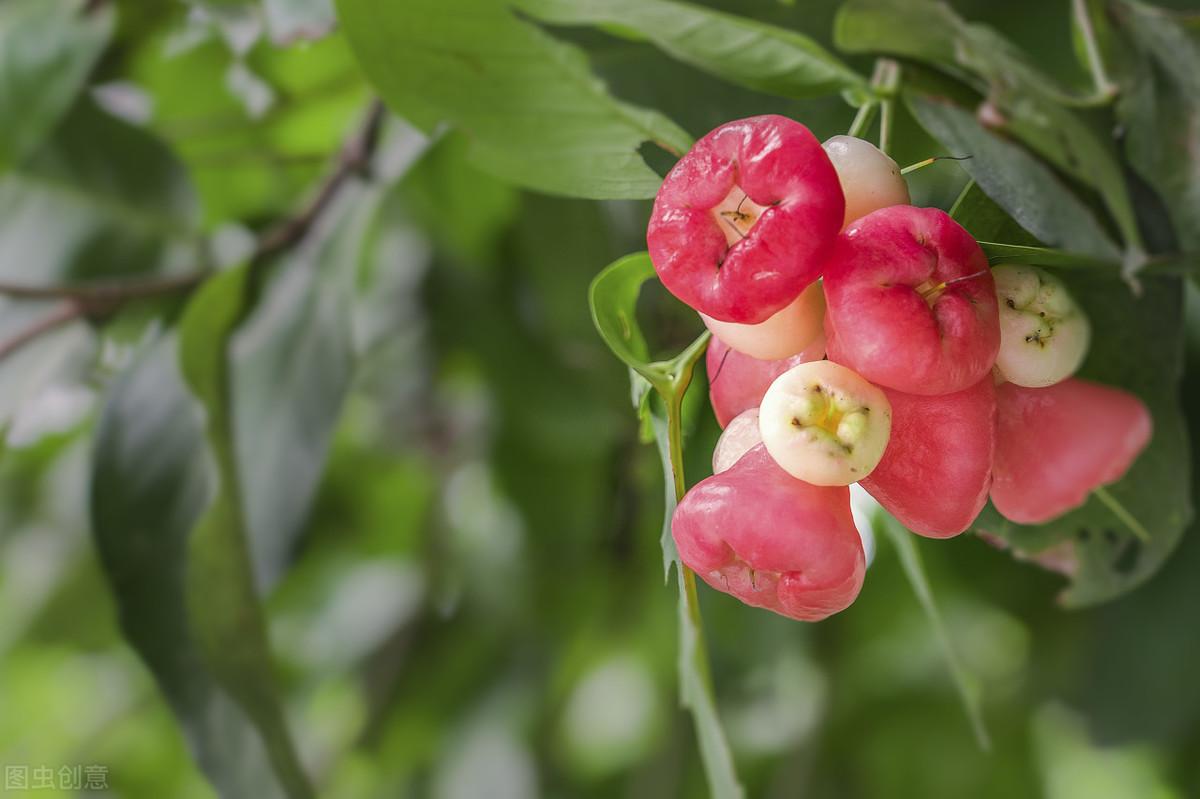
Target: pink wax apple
<point>745,220</point>
<point>911,304</point>
<point>737,382</point>
<point>1055,445</point>
<point>937,468</point>
<point>771,540</point>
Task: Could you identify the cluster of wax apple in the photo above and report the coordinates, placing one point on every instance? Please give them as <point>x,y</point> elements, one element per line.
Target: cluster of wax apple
<point>860,339</point>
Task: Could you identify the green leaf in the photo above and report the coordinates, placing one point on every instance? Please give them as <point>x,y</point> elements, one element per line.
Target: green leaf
<point>759,56</point>
<point>117,200</point>
<point>613,299</point>
<point>50,48</point>
<point>1034,107</point>
<point>223,604</point>
<point>1160,110</point>
<point>1017,181</point>
<point>914,570</point>
<point>1137,344</point>
<point>535,114</point>
<point>148,488</point>
<point>986,220</point>
<point>292,362</point>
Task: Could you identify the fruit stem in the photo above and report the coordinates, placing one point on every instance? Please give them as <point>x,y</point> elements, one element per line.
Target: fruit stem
<point>1121,513</point>
<point>1105,88</point>
<point>863,119</point>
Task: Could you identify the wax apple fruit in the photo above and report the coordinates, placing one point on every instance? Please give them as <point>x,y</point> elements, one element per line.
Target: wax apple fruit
<point>770,540</point>
<point>1055,445</point>
<point>739,437</point>
<point>782,335</point>
<point>1044,334</point>
<point>911,302</point>
<point>824,424</point>
<point>936,471</point>
<point>737,382</point>
<point>745,220</point>
<point>870,179</point>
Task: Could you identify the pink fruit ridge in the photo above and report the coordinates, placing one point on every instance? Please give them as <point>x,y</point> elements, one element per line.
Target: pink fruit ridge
<point>778,165</point>
<point>771,540</point>
<point>911,304</point>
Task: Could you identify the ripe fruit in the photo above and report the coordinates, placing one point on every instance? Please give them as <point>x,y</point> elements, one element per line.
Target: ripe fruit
<point>911,302</point>
<point>745,220</point>
<point>870,179</point>
<point>740,436</point>
<point>737,382</point>
<point>1055,445</point>
<point>770,540</point>
<point>1044,335</point>
<point>781,335</point>
<point>824,424</point>
<point>937,468</point>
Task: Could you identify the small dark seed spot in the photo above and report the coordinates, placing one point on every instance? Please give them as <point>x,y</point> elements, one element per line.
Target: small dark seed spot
<point>1010,303</point>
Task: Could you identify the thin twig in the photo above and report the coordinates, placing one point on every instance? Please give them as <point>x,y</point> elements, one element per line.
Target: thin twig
<point>59,315</point>
<point>100,298</point>
<point>1105,88</point>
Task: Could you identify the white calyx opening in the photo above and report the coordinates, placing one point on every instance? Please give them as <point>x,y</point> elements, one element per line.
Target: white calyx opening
<point>736,214</point>
<point>1044,334</point>
<point>825,424</point>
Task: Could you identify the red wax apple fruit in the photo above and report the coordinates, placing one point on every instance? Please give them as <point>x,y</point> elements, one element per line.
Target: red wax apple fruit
<point>783,334</point>
<point>911,304</point>
<point>737,382</point>
<point>771,540</point>
<point>1057,444</point>
<point>936,471</point>
<point>745,220</point>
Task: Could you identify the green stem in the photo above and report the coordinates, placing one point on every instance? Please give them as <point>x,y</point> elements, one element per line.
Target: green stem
<point>886,81</point>
<point>1105,88</point>
<point>863,119</point>
<point>1121,513</point>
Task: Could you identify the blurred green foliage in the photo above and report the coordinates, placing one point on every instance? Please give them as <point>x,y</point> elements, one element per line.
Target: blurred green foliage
<point>449,516</point>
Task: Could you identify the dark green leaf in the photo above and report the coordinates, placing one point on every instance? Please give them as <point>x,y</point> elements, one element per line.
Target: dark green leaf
<point>149,487</point>
<point>1017,181</point>
<point>49,48</point>
<point>762,57</point>
<point>223,604</point>
<point>117,201</point>
<point>475,66</point>
<point>293,359</point>
<point>986,220</point>
<point>1137,344</point>
<point>1031,104</point>
<point>1160,110</point>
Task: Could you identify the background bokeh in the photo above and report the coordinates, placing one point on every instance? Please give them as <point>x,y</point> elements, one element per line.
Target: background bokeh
<point>474,606</point>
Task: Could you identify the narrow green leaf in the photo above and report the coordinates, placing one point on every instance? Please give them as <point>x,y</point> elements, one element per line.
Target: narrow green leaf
<point>223,604</point>
<point>986,220</point>
<point>149,486</point>
<point>1159,108</point>
<point>49,48</point>
<point>1017,181</point>
<point>1137,344</point>
<point>966,685</point>
<point>535,114</point>
<point>762,57</point>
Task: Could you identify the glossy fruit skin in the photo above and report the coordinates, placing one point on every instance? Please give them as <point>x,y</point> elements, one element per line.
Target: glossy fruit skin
<point>772,541</point>
<point>741,435</point>
<point>879,323</point>
<point>780,166</point>
<point>783,334</point>
<point>937,468</point>
<point>870,178</point>
<point>737,382</point>
<point>1057,444</point>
